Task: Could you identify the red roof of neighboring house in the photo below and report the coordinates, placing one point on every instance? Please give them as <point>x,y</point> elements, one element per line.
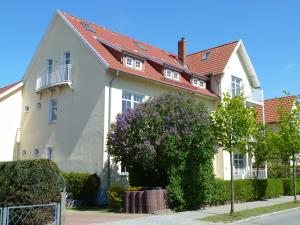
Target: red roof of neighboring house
<point>4,89</point>
<point>273,105</point>
<point>111,46</point>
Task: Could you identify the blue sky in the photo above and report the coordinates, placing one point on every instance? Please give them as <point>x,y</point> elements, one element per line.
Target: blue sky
<point>269,29</point>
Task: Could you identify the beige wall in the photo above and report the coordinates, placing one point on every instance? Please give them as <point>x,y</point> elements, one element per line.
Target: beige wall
<point>10,119</point>
<point>77,136</point>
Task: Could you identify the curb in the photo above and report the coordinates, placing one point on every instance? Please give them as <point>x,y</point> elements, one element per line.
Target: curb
<point>263,215</point>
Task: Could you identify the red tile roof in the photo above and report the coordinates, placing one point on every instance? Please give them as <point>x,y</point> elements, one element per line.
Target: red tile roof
<point>217,59</point>
<point>4,89</point>
<point>111,46</point>
<point>272,106</point>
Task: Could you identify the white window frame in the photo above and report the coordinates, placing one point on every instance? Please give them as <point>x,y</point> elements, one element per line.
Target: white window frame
<point>53,107</point>
<point>140,63</point>
<point>236,84</point>
<point>133,102</point>
<point>126,61</point>
<point>239,159</point>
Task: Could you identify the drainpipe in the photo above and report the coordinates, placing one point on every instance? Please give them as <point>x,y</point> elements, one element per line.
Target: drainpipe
<point>109,125</point>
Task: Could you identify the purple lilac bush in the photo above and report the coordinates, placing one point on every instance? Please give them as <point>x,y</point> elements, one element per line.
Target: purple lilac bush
<point>167,141</point>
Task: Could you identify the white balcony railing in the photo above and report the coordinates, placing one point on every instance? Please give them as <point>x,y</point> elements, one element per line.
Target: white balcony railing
<point>59,75</point>
<point>256,96</point>
<point>261,173</point>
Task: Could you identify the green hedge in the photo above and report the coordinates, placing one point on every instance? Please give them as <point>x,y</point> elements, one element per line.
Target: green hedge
<point>288,186</point>
<point>83,186</point>
<point>251,190</point>
<point>29,182</point>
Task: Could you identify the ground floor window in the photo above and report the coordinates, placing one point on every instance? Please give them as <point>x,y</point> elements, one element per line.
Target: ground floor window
<point>130,100</point>
<point>238,160</point>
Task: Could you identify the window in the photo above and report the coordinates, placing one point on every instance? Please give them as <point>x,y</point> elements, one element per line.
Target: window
<point>36,152</point>
<point>52,110</point>
<point>138,64</point>
<point>171,74</point>
<point>38,105</point>
<point>88,27</point>
<point>198,83</point>
<point>49,153</point>
<point>141,46</point>
<point>67,61</point>
<point>129,61</point>
<point>238,161</point>
<point>49,70</point>
<point>236,86</point>
<point>205,56</point>
<point>67,58</point>
<point>130,100</point>
<point>23,153</point>
<point>133,63</point>
<point>26,108</point>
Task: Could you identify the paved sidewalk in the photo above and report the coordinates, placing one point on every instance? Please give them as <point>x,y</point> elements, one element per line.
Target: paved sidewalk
<point>192,217</point>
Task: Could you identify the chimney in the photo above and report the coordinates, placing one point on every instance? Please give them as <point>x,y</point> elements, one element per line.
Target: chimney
<point>182,50</point>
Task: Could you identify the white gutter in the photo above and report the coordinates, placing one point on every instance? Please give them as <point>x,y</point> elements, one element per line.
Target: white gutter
<point>11,90</point>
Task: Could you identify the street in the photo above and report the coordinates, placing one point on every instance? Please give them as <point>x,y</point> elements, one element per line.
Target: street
<point>291,217</point>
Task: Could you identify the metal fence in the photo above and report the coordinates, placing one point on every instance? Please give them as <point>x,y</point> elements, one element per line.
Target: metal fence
<point>48,214</point>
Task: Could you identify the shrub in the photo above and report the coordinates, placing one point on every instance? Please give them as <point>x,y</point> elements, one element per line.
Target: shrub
<point>83,186</point>
<point>220,193</point>
<point>243,190</point>
<point>115,195</point>
<point>288,186</point>
<point>29,182</point>
<point>167,141</point>
<point>270,188</point>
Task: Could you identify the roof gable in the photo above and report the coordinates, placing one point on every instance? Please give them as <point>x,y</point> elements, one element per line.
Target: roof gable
<point>8,89</point>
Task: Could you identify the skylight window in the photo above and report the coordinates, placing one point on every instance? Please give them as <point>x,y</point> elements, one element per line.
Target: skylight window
<point>88,27</point>
<point>141,46</point>
<point>205,56</point>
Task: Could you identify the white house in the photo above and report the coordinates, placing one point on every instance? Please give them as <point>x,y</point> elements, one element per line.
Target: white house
<point>82,75</point>
<point>10,120</point>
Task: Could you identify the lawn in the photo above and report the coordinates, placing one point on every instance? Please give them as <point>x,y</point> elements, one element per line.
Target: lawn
<point>226,218</point>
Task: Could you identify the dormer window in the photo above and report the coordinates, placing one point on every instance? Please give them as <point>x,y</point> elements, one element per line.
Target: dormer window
<point>205,56</point>
<point>198,83</point>
<point>171,74</point>
<point>133,63</point>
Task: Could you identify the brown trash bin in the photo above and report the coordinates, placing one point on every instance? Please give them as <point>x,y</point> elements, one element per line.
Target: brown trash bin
<point>126,201</point>
<point>132,202</point>
<point>139,206</point>
<point>150,201</point>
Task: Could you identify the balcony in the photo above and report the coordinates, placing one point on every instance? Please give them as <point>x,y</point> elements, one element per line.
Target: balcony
<point>58,76</point>
<point>255,97</point>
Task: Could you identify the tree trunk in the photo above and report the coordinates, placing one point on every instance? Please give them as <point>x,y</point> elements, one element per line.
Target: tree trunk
<point>231,183</point>
<point>294,176</point>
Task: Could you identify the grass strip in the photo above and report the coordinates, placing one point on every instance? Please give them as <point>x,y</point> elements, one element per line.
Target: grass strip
<point>244,214</point>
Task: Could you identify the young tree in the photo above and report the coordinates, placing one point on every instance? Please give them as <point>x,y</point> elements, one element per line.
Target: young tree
<point>234,126</point>
<point>290,135</point>
<point>261,146</point>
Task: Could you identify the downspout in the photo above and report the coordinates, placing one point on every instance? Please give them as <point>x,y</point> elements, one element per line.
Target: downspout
<point>109,125</point>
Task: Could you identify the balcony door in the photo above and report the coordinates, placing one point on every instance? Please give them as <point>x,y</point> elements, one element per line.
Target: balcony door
<point>49,71</point>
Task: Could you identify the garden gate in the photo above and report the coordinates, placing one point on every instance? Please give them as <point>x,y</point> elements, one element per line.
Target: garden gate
<point>48,214</point>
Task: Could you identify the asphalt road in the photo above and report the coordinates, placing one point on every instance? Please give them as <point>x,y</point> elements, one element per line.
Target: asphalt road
<point>286,218</point>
